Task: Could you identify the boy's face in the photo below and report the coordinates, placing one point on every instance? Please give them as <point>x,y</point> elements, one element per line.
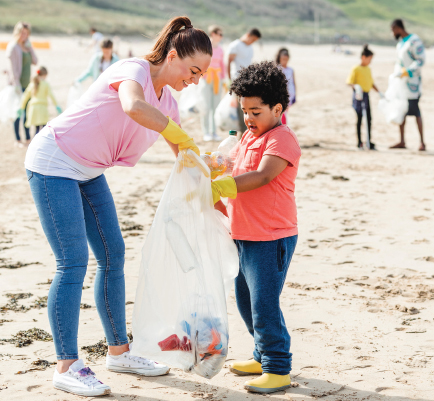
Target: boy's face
<point>259,117</point>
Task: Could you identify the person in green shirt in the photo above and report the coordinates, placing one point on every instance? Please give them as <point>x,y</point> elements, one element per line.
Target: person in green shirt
<point>21,56</point>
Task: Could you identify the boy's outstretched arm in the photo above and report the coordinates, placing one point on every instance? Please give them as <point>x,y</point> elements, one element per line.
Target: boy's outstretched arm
<point>269,168</point>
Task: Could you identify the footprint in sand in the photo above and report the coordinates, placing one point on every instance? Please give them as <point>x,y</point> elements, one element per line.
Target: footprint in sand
<point>33,388</point>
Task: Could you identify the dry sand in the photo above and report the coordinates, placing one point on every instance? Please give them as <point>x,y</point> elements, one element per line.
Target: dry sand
<point>359,297</point>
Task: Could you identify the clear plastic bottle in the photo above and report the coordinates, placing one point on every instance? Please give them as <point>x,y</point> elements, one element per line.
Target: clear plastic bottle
<point>229,143</point>
<point>220,163</point>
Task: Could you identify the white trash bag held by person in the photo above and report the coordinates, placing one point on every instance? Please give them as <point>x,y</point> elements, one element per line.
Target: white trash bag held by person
<point>394,105</point>
<point>226,113</point>
<point>189,262</point>
<point>10,102</point>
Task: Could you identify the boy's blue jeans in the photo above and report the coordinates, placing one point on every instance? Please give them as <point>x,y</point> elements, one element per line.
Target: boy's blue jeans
<point>263,268</point>
<point>73,213</point>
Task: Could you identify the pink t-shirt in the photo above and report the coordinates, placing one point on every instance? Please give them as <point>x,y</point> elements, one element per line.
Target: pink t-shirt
<point>217,60</point>
<point>96,132</point>
<point>267,213</point>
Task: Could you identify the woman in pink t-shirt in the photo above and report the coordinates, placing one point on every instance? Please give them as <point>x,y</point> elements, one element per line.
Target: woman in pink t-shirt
<point>211,85</point>
<point>112,124</point>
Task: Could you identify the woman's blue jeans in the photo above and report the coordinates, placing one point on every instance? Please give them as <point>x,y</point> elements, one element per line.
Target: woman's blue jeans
<point>73,214</point>
<point>263,268</point>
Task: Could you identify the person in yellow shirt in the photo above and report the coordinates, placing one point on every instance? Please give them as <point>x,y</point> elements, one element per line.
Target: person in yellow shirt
<point>360,79</point>
<point>38,92</point>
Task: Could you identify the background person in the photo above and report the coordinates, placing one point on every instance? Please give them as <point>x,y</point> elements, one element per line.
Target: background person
<point>282,59</point>
<point>21,56</point>
<point>36,98</point>
<point>96,40</point>
<point>211,85</point>
<point>240,54</point>
<point>360,79</point>
<point>411,57</point>
<point>100,61</point>
<point>118,118</point>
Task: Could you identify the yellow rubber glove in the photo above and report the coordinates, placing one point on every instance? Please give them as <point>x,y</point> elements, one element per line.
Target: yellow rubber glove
<point>175,134</point>
<point>404,73</point>
<point>226,188</point>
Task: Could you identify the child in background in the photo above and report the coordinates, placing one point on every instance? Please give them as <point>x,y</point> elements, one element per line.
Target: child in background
<point>282,59</point>
<point>211,85</point>
<point>263,218</point>
<point>361,81</point>
<point>38,92</point>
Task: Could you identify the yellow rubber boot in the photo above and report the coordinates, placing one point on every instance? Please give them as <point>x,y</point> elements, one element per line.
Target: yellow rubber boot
<point>268,383</point>
<point>246,368</point>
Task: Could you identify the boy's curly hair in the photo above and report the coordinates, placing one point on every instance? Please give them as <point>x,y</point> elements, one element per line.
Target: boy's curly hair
<point>264,80</point>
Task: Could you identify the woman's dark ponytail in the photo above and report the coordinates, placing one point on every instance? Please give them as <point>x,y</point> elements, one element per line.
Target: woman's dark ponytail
<point>366,51</point>
<point>179,34</point>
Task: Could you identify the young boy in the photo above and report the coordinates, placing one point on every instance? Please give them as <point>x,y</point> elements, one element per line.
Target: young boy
<point>263,218</point>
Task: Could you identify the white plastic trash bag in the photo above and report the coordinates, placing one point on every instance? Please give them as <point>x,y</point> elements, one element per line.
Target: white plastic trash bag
<point>226,114</point>
<point>191,102</point>
<point>394,105</point>
<point>189,262</point>
<point>9,104</point>
<point>74,93</point>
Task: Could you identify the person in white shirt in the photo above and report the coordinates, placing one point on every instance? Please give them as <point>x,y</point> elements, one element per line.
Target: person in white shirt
<point>240,55</point>
<point>97,37</point>
<point>411,58</point>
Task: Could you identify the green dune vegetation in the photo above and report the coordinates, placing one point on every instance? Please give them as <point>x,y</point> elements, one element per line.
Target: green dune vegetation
<point>294,20</point>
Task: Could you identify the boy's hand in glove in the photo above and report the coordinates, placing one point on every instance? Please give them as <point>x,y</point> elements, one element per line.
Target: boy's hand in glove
<point>226,188</point>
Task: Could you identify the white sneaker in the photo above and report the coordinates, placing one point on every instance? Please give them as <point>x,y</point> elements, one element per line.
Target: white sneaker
<point>207,138</point>
<point>135,364</point>
<point>79,380</point>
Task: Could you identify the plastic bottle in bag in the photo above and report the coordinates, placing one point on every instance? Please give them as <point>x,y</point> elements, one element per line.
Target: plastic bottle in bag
<point>220,162</point>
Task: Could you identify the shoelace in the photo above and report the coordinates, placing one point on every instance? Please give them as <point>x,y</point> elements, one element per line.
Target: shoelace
<point>139,359</point>
<point>87,377</point>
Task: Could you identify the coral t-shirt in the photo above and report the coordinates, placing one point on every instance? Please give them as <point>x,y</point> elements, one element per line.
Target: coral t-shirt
<point>267,213</point>
<point>96,132</point>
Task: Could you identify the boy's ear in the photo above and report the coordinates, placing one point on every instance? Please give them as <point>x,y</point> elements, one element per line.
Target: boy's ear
<point>278,109</point>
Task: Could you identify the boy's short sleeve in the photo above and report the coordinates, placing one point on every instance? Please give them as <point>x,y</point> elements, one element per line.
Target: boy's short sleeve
<point>129,70</point>
<point>351,80</point>
<point>283,143</point>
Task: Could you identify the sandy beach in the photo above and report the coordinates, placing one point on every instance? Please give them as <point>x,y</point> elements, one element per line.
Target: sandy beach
<point>359,295</point>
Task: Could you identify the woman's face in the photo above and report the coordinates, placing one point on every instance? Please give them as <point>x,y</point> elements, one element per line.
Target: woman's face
<point>107,54</point>
<point>187,71</point>
<point>24,35</point>
<point>216,37</point>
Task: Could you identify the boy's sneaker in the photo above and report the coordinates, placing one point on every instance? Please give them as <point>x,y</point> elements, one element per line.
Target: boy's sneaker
<point>135,364</point>
<point>79,380</point>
